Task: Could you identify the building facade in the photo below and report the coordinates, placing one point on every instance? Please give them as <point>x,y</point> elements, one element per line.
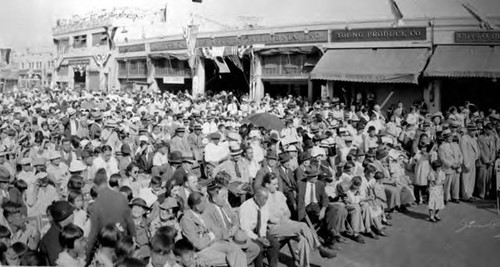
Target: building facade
<point>382,61</point>
<point>35,67</point>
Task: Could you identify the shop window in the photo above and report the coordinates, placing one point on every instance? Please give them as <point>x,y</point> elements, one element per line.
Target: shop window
<point>99,39</point>
<point>80,41</point>
<point>122,68</point>
<point>271,65</point>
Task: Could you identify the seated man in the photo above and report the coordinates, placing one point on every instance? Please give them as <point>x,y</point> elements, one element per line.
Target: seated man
<point>210,250</point>
<point>280,226</point>
<point>313,201</point>
<point>225,224</point>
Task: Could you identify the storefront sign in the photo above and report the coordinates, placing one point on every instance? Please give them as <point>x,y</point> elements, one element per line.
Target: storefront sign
<point>168,45</point>
<point>474,37</point>
<point>267,38</point>
<point>80,61</point>
<point>132,48</point>
<point>173,80</point>
<point>380,34</point>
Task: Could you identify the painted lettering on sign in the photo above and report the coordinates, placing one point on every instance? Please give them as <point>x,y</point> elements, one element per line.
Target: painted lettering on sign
<point>380,34</point>
<point>168,45</point>
<point>277,38</point>
<point>132,48</point>
<point>474,37</point>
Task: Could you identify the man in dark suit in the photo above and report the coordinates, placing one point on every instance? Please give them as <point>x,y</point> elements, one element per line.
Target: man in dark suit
<point>210,250</point>
<point>286,182</point>
<point>269,166</point>
<point>144,157</point>
<point>312,201</point>
<point>62,215</point>
<point>182,171</point>
<point>224,223</point>
<point>110,207</point>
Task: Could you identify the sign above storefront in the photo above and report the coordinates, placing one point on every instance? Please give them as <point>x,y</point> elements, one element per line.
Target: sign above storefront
<point>477,37</point>
<point>173,80</point>
<point>266,38</point>
<point>380,34</point>
<point>168,45</point>
<point>79,61</point>
<point>132,48</point>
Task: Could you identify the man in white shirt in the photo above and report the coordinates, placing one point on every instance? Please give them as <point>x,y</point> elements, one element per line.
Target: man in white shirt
<point>214,152</point>
<point>105,161</point>
<point>254,214</point>
<point>160,159</point>
<point>281,226</point>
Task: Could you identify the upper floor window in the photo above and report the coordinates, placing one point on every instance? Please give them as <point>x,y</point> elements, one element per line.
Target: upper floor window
<point>99,39</point>
<point>80,41</point>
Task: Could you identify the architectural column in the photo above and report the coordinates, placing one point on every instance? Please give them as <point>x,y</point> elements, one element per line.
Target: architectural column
<point>198,85</point>
<point>432,96</point>
<point>309,90</point>
<point>71,77</point>
<point>257,86</point>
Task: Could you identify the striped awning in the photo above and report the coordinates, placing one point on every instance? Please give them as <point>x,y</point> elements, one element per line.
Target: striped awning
<point>381,65</point>
<point>464,61</point>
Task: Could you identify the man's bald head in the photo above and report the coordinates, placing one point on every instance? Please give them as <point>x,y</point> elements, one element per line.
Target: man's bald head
<point>261,195</point>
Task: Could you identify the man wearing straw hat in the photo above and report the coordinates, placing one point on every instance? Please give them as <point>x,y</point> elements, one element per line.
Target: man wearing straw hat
<point>471,153</point>
<point>452,164</point>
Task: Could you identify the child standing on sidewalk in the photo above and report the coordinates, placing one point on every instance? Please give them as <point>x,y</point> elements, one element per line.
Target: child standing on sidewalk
<point>436,192</point>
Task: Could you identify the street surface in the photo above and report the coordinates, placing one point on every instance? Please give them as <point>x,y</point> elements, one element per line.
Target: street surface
<point>468,235</point>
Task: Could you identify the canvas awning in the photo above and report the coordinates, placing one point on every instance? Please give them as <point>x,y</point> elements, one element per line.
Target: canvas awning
<point>265,51</point>
<point>464,61</point>
<point>402,65</point>
<point>179,55</point>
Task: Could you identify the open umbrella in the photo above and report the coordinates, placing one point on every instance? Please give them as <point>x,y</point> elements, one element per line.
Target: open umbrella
<point>266,120</point>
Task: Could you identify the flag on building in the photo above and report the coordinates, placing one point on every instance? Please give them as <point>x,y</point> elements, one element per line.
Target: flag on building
<point>5,56</point>
<point>190,35</point>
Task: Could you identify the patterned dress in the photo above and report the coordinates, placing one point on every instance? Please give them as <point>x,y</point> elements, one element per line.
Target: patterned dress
<point>436,192</point>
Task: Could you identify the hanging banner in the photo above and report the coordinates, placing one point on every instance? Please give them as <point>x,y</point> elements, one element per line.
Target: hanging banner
<point>101,59</point>
<point>173,80</point>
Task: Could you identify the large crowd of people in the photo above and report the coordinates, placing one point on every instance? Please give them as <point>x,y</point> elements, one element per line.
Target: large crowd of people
<point>122,179</point>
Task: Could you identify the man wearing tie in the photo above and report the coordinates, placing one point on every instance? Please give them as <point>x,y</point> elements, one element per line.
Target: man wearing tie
<point>312,201</point>
<point>225,223</point>
<point>212,251</point>
<point>287,183</point>
<point>238,170</point>
<point>254,214</point>
<point>452,166</point>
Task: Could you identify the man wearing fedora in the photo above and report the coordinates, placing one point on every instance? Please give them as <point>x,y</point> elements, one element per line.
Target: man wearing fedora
<point>224,223</point>
<point>180,142</point>
<point>287,183</point>
<point>71,123</point>
<point>195,140</point>
<point>452,166</point>
<point>471,153</point>
<point>270,165</point>
<point>238,170</point>
<point>62,215</point>
<point>486,161</point>
<point>313,203</point>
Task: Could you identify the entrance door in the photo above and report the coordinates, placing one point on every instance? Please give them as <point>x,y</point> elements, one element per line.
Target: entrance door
<point>94,82</point>
<point>79,79</point>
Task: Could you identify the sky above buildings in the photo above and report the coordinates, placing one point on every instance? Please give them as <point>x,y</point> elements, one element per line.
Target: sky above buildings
<point>28,23</point>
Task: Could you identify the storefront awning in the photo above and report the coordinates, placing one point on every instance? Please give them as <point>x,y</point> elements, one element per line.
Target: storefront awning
<point>372,65</point>
<point>179,55</point>
<point>265,51</point>
<point>465,61</point>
